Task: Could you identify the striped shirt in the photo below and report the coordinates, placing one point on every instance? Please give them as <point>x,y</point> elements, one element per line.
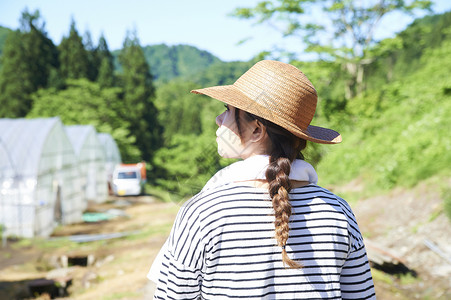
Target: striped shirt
<point>222,246</point>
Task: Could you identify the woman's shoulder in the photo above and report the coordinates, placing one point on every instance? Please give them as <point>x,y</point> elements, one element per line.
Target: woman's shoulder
<point>313,198</point>
<point>223,194</point>
<point>313,194</point>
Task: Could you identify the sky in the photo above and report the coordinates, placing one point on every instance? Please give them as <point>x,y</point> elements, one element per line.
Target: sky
<point>205,24</point>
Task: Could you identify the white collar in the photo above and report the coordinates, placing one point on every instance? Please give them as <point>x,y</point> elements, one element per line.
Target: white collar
<point>254,168</point>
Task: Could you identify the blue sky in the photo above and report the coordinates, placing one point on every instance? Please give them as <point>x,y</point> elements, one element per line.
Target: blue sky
<point>201,23</point>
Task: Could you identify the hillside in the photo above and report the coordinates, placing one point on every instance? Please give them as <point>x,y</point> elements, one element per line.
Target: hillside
<point>394,164</point>
<point>169,62</point>
<point>396,132</point>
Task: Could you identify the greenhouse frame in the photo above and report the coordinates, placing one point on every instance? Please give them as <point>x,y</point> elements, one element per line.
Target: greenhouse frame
<point>91,161</point>
<point>39,179</point>
<point>112,155</point>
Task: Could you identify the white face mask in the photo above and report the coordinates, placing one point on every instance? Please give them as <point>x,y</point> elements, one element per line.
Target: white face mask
<point>229,142</point>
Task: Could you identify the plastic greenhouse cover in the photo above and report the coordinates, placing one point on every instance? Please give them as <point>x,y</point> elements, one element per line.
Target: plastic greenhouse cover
<point>7,169</point>
<point>111,150</point>
<point>25,140</point>
<point>78,135</point>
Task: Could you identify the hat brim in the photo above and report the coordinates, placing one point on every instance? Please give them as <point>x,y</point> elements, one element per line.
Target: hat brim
<point>229,94</point>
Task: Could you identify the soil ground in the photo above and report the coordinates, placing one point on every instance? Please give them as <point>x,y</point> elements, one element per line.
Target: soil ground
<point>400,223</point>
<point>412,226</point>
<point>120,265</point>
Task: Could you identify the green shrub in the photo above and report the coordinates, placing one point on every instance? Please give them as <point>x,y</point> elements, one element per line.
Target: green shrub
<point>402,139</point>
<point>446,196</point>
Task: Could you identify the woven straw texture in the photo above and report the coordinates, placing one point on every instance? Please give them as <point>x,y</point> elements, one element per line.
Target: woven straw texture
<point>277,92</point>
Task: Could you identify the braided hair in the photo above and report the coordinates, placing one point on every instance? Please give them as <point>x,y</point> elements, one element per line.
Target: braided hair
<point>285,148</point>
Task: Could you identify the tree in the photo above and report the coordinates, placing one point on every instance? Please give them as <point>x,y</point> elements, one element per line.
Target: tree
<point>343,33</point>
<point>41,53</point>
<point>28,60</point>
<point>186,163</point>
<point>15,85</point>
<point>3,34</point>
<point>222,73</point>
<point>178,109</point>
<point>105,75</point>
<point>85,102</point>
<point>139,93</point>
<point>74,59</point>
<point>93,57</point>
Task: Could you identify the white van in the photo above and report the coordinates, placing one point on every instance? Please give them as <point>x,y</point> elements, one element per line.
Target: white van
<point>128,180</point>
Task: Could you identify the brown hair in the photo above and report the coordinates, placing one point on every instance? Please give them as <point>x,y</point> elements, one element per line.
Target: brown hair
<point>285,148</point>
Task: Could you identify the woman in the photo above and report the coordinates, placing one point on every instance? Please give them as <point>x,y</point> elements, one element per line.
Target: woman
<point>261,228</point>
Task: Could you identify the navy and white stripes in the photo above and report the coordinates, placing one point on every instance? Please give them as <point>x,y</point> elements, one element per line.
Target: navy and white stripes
<point>222,246</point>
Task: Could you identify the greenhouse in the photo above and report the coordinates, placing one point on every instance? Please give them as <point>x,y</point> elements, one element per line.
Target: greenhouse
<point>112,155</point>
<point>91,161</point>
<point>40,185</point>
<point>6,166</point>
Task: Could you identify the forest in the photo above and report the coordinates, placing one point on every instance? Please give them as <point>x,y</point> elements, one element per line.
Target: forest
<point>393,110</point>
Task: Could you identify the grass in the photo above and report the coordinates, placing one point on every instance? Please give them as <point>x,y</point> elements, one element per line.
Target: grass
<point>436,213</point>
<point>408,279</point>
<point>161,194</point>
<point>20,243</point>
<point>350,197</point>
<point>446,196</point>
<point>122,295</point>
<point>62,243</point>
<point>415,228</point>
<point>164,195</point>
<point>150,231</point>
<point>42,244</point>
<point>381,277</point>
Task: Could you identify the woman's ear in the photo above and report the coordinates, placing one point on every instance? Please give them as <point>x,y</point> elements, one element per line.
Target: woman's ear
<point>259,132</point>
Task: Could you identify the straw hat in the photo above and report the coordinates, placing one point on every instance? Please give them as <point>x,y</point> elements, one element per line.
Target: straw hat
<point>277,92</point>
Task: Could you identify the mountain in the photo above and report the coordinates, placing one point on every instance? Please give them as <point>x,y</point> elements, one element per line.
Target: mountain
<point>168,62</point>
